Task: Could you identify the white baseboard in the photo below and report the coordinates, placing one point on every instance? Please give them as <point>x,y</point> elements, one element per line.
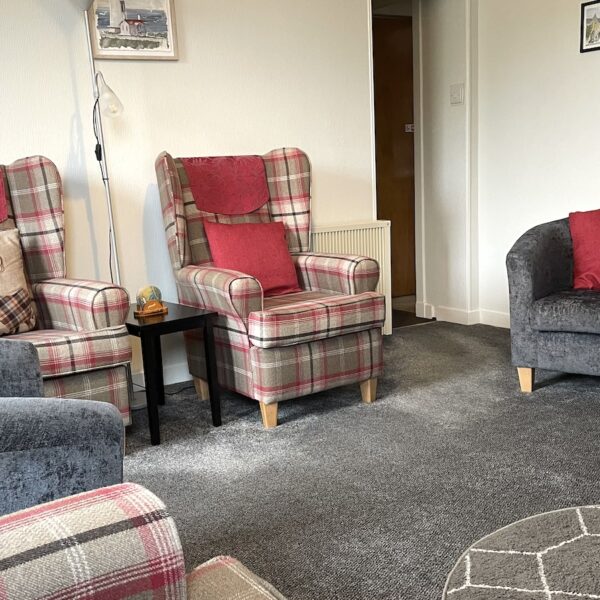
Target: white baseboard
<point>456,315</point>
<point>176,373</point>
<point>464,317</point>
<point>494,318</point>
<point>424,310</point>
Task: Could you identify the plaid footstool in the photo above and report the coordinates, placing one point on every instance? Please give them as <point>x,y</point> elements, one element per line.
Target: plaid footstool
<point>225,578</point>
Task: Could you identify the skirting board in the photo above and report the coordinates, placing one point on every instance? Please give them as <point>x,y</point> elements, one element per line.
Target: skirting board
<point>463,317</point>
<point>177,373</point>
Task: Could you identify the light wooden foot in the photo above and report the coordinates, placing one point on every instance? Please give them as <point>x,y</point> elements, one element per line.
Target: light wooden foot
<point>201,388</point>
<point>269,414</point>
<point>368,390</point>
<point>526,379</point>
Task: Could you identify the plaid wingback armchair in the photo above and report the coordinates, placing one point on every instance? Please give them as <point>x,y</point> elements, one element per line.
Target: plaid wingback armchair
<point>80,337</point>
<point>275,348</point>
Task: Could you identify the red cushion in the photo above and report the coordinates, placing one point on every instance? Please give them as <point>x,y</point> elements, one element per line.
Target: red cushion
<point>3,199</point>
<point>257,249</point>
<point>585,231</point>
<point>227,185</point>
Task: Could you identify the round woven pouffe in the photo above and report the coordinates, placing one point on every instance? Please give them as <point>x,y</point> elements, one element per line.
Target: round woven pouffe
<point>551,556</point>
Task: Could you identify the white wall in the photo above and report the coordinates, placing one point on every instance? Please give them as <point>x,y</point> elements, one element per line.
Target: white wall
<point>443,152</point>
<point>520,152</point>
<point>252,76</point>
<point>538,117</point>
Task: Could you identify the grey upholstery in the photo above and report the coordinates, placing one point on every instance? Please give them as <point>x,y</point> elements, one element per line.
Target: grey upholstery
<point>552,326</point>
<point>49,447</point>
<point>20,373</point>
<point>577,311</point>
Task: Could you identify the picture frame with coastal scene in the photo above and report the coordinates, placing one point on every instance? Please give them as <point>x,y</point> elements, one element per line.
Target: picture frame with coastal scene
<point>133,29</point>
<point>590,26</point>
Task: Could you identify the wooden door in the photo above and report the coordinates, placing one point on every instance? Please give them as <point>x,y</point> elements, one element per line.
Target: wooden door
<point>394,118</point>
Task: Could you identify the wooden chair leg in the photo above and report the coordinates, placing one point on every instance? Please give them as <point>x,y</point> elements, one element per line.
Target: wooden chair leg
<point>269,414</point>
<point>368,390</point>
<point>201,388</point>
<point>526,379</point>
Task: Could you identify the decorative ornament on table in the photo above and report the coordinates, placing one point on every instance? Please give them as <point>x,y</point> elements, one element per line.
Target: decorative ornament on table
<point>149,302</point>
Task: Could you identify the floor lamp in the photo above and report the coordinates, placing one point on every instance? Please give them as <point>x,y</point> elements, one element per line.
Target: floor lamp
<point>108,104</point>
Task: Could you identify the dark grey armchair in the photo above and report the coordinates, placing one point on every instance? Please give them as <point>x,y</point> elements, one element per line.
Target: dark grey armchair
<point>51,448</point>
<point>552,326</point>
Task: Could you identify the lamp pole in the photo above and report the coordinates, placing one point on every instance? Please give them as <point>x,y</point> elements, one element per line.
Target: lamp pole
<point>101,157</point>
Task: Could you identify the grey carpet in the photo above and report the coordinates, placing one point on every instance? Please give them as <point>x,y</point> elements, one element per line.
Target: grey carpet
<point>348,501</point>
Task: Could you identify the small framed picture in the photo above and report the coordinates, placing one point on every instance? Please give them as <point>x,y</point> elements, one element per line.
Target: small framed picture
<point>133,29</point>
<point>590,26</point>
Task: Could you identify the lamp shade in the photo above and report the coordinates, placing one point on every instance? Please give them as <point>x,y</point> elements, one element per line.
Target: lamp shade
<point>110,105</point>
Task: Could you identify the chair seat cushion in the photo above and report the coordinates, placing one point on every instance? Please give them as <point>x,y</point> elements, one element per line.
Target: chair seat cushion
<point>66,352</point>
<point>304,317</point>
<point>575,311</point>
<point>224,578</point>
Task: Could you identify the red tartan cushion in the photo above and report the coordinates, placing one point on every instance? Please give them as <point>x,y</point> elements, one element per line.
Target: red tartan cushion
<point>585,231</point>
<point>257,249</point>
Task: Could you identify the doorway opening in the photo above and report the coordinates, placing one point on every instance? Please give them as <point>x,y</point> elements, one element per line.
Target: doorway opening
<point>395,148</point>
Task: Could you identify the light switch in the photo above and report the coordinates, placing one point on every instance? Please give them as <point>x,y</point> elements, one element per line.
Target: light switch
<point>457,93</point>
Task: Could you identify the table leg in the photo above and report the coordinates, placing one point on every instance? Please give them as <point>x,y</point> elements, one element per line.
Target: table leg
<point>153,378</point>
<point>211,372</point>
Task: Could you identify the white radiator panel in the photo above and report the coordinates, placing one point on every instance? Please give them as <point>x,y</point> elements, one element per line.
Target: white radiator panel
<point>368,239</point>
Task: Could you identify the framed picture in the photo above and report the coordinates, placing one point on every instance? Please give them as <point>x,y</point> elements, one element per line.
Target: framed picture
<point>590,26</point>
<point>133,29</point>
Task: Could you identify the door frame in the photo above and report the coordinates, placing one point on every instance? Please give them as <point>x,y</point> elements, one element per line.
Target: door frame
<point>422,308</point>
<point>470,313</point>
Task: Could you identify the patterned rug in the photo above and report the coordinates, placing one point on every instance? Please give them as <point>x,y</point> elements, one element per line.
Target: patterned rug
<point>348,501</point>
<point>554,555</point>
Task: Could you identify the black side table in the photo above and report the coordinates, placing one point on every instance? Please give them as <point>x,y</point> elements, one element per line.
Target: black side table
<point>149,330</point>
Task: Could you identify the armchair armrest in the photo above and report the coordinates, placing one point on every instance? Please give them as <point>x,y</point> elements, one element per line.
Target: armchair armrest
<point>116,542</point>
<point>80,305</point>
<point>343,274</point>
<point>51,448</point>
<point>230,293</point>
<point>20,375</point>
<point>539,263</point>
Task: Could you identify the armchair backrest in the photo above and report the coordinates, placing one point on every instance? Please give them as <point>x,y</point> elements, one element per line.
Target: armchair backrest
<point>288,177</point>
<point>35,208</point>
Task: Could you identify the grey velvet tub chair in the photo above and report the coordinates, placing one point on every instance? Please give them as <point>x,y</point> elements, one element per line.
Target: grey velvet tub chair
<point>50,447</point>
<point>552,326</point>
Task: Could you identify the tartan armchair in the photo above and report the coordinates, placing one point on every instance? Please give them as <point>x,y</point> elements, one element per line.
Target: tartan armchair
<point>275,348</point>
<point>80,337</point>
<point>113,543</point>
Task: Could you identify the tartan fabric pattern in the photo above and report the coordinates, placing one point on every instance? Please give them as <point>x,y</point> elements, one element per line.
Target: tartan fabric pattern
<point>112,385</point>
<point>293,371</point>
<point>36,207</point>
<point>288,176</point>
<point>16,313</point>
<point>232,350</point>
<point>74,365</point>
<point>299,322</point>
<point>288,179</point>
<point>225,577</point>
<point>230,293</point>
<point>334,273</point>
<point>174,218</point>
<point>80,305</point>
<point>67,352</point>
<point>117,542</point>
<point>324,345</point>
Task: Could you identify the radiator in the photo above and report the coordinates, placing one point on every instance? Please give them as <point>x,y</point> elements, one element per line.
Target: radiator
<point>368,239</point>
